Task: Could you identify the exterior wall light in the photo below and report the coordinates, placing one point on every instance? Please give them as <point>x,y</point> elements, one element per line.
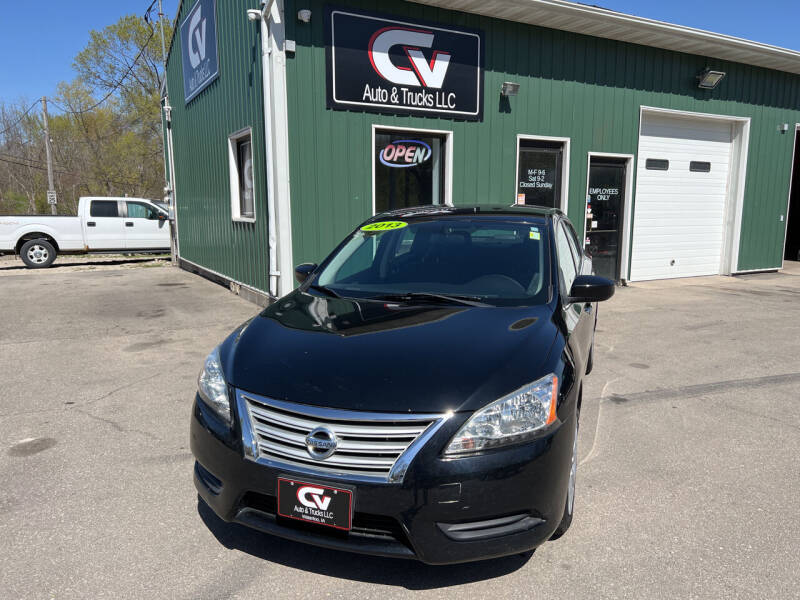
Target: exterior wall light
<point>709,79</point>
<point>304,15</point>
<point>509,88</point>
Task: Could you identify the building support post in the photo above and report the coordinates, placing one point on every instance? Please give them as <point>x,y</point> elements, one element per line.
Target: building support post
<point>266,76</point>
<point>276,117</point>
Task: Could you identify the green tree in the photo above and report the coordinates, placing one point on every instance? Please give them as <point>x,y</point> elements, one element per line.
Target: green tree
<point>105,126</point>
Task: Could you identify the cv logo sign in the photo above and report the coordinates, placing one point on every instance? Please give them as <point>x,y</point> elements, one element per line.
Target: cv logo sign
<point>199,56</point>
<point>416,70</point>
<point>313,497</point>
<point>402,67</point>
<point>197,38</point>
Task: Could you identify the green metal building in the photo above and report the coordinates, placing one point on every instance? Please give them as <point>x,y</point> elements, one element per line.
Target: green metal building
<point>289,122</point>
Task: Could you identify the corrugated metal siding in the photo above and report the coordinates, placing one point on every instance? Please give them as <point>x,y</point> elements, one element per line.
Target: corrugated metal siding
<point>588,89</point>
<point>208,236</point>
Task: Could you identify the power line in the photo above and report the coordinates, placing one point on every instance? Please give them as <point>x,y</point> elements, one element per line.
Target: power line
<point>117,85</point>
<point>40,168</point>
<point>63,172</point>
<point>30,108</point>
<point>35,160</point>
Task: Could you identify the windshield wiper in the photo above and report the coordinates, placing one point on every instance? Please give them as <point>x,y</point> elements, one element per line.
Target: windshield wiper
<point>325,290</point>
<point>411,297</point>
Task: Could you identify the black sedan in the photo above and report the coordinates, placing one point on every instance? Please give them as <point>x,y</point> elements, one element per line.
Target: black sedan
<point>416,396</point>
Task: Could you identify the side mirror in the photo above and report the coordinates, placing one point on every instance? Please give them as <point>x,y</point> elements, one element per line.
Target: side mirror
<point>591,288</point>
<point>161,217</point>
<point>301,272</point>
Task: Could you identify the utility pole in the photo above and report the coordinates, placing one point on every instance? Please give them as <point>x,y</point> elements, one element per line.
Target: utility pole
<point>51,190</point>
<point>166,122</point>
<point>163,45</point>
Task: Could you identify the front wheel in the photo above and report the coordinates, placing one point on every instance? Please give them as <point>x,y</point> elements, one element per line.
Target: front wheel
<point>37,254</point>
<point>566,519</point>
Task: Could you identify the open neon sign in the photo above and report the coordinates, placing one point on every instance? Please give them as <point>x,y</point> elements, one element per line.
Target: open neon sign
<point>405,153</point>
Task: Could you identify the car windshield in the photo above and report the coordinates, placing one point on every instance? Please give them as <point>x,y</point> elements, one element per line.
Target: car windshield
<point>494,260</point>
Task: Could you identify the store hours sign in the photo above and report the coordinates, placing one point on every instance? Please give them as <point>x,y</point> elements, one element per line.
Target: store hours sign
<point>382,64</point>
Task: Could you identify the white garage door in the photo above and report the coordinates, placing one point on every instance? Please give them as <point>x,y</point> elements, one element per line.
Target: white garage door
<point>681,189</point>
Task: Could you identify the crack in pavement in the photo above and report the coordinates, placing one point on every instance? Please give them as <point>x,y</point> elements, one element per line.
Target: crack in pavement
<point>702,389</point>
<point>117,426</point>
<point>739,409</point>
<point>77,406</point>
<point>688,391</point>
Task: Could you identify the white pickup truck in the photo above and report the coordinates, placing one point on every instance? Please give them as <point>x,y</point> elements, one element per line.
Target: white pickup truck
<point>108,225</point>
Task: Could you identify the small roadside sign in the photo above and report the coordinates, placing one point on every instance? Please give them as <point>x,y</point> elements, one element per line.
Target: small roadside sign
<point>51,197</point>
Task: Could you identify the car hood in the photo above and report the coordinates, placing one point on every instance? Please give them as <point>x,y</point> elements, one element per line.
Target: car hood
<point>374,356</point>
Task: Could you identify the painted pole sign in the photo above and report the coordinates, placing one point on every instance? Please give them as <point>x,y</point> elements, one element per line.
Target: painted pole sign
<point>388,65</point>
<point>199,48</point>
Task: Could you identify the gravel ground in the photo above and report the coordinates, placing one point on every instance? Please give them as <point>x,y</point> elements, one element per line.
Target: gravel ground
<point>65,263</point>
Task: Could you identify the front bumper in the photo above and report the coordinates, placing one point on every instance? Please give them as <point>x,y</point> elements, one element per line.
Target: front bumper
<point>454,510</point>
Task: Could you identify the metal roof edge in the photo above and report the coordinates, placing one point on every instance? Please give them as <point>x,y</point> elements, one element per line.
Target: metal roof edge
<point>590,20</point>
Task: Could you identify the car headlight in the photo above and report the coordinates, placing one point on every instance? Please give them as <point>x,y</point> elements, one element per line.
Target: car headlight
<point>212,387</point>
<point>509,420</point>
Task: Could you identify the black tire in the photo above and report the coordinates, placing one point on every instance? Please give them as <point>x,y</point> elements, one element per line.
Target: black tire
<point>37,254</point>
<point>569,505</point>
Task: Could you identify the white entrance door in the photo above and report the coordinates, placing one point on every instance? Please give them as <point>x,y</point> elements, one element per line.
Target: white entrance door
<point>682,183</point>
<point>143,229</point>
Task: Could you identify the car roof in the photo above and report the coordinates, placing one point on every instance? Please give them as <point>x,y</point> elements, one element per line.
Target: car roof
<point>474,209</point>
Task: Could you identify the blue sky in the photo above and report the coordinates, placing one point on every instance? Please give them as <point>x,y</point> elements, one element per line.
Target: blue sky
<point>39,41</point>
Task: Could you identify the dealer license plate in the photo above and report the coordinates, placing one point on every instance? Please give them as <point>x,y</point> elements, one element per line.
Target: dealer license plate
<point>315,503</point>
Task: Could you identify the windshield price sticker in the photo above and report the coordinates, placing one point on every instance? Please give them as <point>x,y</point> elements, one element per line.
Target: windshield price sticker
<point>384,226</point>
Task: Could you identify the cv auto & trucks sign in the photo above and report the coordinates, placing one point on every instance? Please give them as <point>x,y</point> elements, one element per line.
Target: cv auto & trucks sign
<point>401,66</point>
<point>199,48</point>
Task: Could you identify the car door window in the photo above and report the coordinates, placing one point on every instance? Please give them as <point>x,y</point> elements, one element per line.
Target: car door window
<point>566,259</point>
<point>104,208</point>
<point>572,240</point>
<point>138,210</point>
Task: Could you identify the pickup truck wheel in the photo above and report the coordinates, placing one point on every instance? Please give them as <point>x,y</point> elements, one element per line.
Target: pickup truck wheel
<point>37,254</point>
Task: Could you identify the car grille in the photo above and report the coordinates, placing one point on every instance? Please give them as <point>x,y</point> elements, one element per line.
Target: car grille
<point>369,445</point>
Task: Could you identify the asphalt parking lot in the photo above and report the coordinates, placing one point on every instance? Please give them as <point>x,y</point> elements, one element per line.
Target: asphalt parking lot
<point>688,479</point>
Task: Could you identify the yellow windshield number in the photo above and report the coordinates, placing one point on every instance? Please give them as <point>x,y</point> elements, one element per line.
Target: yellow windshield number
<point>381,226</point>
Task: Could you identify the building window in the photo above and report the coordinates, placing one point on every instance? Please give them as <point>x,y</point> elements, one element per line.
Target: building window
<point>409,169</point>
<point>656,164</point>
<point>242,181</point>
<point>542,171</point>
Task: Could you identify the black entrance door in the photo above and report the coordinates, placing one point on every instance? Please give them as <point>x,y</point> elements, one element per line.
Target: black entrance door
<point>604,208</point>
<point>539,176</point>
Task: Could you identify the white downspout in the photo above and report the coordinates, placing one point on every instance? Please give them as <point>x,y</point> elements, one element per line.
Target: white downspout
<point>266,49</point>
